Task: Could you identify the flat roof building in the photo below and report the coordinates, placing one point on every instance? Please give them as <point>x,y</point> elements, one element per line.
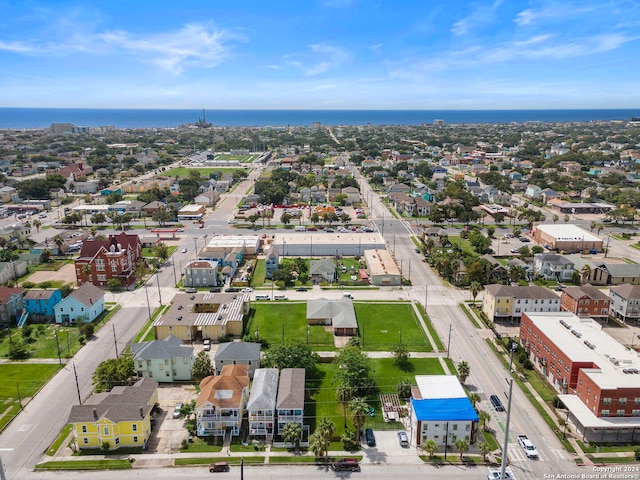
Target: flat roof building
<point>567,238</point>
<point>382,268</point>
<point>598,378</point>
<point>324,244</point>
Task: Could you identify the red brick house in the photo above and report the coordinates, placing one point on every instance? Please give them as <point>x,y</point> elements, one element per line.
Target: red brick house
<point>585,301</point>
<point>102,260</point>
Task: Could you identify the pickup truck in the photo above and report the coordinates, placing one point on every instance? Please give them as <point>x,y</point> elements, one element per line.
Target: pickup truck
<point>528,447</point>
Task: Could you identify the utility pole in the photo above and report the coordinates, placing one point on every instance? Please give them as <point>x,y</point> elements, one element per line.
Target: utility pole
<point>449,342</point>
<point>115,339</point>
<point>505,446</point>
<point>75,373</point>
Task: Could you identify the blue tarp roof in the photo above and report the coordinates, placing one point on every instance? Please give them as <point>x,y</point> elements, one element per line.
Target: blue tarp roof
<point>444,409</point>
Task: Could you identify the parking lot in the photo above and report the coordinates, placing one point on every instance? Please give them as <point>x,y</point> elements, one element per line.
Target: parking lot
<point>169,432</point>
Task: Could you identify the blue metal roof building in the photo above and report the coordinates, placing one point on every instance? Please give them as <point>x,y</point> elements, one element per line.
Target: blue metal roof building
<point>444,409</point>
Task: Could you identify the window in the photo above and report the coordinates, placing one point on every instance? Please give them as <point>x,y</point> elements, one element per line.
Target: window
<point>622,401</point>
<point>117,440</point>
<point>85,440</point>
<point>620,413</point>
<point>455,427</point>
<point>605,400</point>
<point>635,413</point>
<point>604,413</point>
<point>134,427</point>
<point>636,401</point>
<point>135,439</point>
<point>106,430</point>
<point>84,429</point>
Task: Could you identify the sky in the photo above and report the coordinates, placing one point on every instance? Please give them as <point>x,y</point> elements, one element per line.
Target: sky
<point>320,54</point>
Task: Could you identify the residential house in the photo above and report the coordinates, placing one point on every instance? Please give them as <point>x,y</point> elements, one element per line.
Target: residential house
<point>12,270</point>
<point>322,270</point>
<point>422,207</point>
<point>352,193</point>
<point>237,353</point>
<point>441,411</point>
<point>585,301</point>
<point>337,313</point>
<point>201,273</point>
<point>497,272</point>
<point>199,316</point>
<point>505,302</point>
<point>163,360</point>
<point>132,207</point>
<point>84,304</point>
<point>120,418</point>
<point>11,304</point>
<point>533,192</point>
<point>153,207</point>
<point>222,402</point>
<point>272,259</point>
<point>552,267</point>
<point>261,406</point>
<point>549,194</point>
<point>208,198</point>
<point>625,302</point>
<point>103,260</point>
<point>40,303</point>
<point>290,403</point>
<point>397,188</point>
<point>524,267</point>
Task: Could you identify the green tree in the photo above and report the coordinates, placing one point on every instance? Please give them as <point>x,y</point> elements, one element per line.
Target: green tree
<point>290,355</point>
<point>474,398</point>
<point>320,440</point>
<point>113,372</point>
<point>202,367</point>
<point>354,370</point>
<point>18,350</point>
<point>161,251</point>
<point>285,218</point>
<point>484,449</point>
<point>462,446</point>
<point>292,433</point>
<point>403,388</point>
<point>463,371</point>
<point>483,419</point>
<point>475,288</point>
<point>431,447</point>
<point>359,410</point>
<point>114,283</point>
<point>400,353</point>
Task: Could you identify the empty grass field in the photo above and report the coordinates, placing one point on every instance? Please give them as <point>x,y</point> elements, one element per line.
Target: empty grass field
<point>180,172</point>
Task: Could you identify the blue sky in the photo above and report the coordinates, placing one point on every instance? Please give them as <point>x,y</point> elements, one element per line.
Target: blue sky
<point>320,54</point>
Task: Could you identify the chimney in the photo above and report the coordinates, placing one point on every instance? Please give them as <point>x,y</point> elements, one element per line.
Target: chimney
<point>95,414</point>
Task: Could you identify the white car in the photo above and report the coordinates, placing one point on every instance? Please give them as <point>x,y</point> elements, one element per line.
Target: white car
<point>206,345</point>
<point>184,250</point>
<point>176,410</point>
<point>247,290</point>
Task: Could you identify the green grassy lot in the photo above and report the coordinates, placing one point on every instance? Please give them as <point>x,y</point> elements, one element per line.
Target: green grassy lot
<point>278,321</point>
<point>204,172</point>
<point>463,244</point>
<point>384,325</point>
<point>86,465</point>
<point>387,374</point>
<point>21,380</point>
<point>42,342</point>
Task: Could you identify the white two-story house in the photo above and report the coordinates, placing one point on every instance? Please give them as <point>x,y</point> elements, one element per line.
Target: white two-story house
<point>262,402</point>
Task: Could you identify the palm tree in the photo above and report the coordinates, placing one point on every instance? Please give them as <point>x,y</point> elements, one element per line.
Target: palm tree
<point>431,447</point>
<point>428,245</point>
<point>37,223</point>
<point>484,448</point>
<point>58,240</point>
<point>599,227</point>
<point>326,429</point>
<point>593,224</point>
<point>318,444</point>
<point>566,218</point>
<point>291,433</point>
<point>555,218</point>
<point>585,274</point>
<point>475,287</point>
<point>463,371</point>
<point>483,419</point>
<point>474,398</point>
<point>344,393</point>
<point>462,446</point>
<point>359,409</point>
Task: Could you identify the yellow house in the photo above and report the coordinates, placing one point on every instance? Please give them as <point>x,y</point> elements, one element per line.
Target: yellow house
<point>121,417</point>
<point>507,302</point>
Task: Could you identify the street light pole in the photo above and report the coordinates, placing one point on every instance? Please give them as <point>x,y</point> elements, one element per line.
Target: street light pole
<point>503,465</point>
<point>159,293</point>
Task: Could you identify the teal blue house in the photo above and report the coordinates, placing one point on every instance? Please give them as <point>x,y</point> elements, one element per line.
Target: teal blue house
<point>40,303</point>
<point>83,305</point>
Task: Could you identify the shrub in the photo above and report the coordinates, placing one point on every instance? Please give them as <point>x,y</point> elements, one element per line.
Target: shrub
<point>224,338</point>
<point>527,364</point>
<point>28,284</point>
<point>46,284</point>
<point>18,350</point>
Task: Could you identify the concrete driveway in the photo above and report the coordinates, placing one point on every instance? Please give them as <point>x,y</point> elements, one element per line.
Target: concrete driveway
<point>169,432</point>
<point>388,448</point>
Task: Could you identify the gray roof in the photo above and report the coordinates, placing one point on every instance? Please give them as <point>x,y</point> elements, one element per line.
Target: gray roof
<point>291,388</point>
<point>263,389</point>
<point>340,312</point>
<point>170,347</point>
<point>122,404</point>
<point>585,290</point>
<point>552,258</point>
<point>621,269</point>
<point>87,294</point>
<point>532,291</point>
<point>627,291</point>
<point>325,265</point>
<point>238,351</point>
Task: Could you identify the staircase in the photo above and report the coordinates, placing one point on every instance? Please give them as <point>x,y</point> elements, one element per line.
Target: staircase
<point>23,319</point>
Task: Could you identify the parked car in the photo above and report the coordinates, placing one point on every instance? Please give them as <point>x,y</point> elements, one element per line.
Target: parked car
<point>184,250</point>
<point>206,344</point>
<point>403,438</point>
<point>370,437</point>
<point>497,404</point>
<point>231,289</point>
<point>247,289</point>
<point>191,290</point>
<point>496,476</point>
<point>176,410</point>
<point>281,297</point>
<point>219,467</point>
<point>524,239</point>
<point>301,289</point>
<point>215,289</point>
<point>349,464</point>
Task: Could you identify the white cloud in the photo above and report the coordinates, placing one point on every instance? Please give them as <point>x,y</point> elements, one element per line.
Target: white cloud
<point>481,15</point>
<point>194,45</point>
<point>321,58</point>
<point>532,16</point>
<point>17,47</point>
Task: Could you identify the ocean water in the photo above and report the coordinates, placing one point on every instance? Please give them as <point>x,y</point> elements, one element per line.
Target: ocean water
<point>37,118</point>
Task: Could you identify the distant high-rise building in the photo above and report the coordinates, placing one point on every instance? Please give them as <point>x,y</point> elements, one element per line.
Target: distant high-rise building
<point>439,122</point>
